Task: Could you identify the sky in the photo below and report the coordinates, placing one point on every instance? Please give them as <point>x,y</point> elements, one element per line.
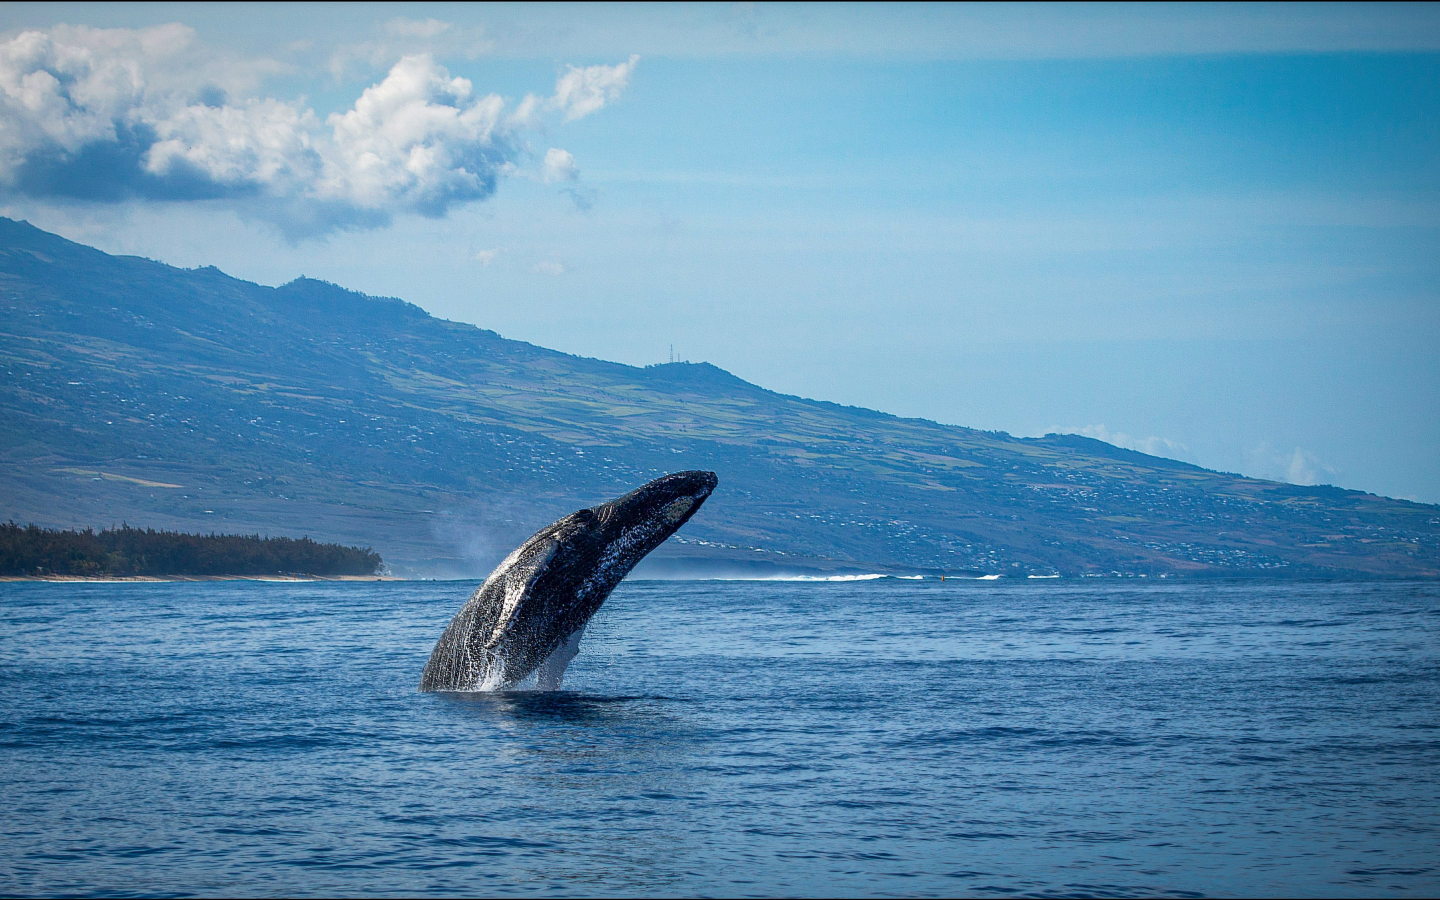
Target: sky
<point>1206,232</point>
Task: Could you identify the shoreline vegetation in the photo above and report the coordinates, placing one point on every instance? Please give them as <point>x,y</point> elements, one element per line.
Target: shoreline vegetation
<point>159,579</point>
<point>29,552</point>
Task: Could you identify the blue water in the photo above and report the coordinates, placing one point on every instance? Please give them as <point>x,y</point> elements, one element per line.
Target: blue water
<point>740,738</point>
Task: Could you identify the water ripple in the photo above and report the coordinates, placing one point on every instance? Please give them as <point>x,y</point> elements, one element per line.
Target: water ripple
<point>753,739</point>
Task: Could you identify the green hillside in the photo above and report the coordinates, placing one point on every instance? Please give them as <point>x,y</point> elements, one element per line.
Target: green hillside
<point>189,400</point>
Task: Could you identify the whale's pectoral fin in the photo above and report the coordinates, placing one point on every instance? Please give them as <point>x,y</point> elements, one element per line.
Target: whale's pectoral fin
<point>552,670</point>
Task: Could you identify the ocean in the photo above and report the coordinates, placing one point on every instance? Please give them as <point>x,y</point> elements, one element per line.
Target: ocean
<point>1094,737</point>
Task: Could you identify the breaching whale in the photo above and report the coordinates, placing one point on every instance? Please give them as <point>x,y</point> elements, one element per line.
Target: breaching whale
<point>530,613</point>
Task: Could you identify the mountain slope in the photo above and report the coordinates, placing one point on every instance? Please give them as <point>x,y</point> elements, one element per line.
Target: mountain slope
<point>134,391</point>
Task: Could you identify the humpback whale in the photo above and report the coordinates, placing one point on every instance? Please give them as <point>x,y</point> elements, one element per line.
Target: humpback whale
<point>530,614</point>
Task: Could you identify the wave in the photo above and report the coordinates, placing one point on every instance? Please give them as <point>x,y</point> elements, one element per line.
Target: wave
<point>869,576</point>
<point>872,576</point>
<point>866,576</point>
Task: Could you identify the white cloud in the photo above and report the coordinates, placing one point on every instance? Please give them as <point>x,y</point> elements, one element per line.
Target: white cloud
<point>110,114</point>
<point>486,257</point>
<point>419,139</point>
<point>560,166</point>
<point>407,37</point>
<point>580,92</point>
<point>257,142</point>
<point>1297,466</point>
<point>548,267</point>
<point>74,86</point>
<point>417,29</point>
<point>970,31</point>
<point>1154,446</point>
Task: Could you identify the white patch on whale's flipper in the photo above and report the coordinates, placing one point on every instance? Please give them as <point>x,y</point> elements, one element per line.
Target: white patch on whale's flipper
<point>552,670</point>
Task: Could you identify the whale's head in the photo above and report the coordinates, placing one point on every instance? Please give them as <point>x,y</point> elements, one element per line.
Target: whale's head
<point>597,547</point>
<point>551,586</point>
<point>631,526</point>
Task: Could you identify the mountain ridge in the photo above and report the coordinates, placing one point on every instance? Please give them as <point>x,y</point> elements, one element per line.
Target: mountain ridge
<point>365,420</point>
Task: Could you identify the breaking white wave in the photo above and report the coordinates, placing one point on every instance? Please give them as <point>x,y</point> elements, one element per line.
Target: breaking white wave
<point>870,577</point>
<point>867,576</point>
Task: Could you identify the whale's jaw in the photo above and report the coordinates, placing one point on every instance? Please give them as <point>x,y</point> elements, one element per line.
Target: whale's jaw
<point>545,591</point>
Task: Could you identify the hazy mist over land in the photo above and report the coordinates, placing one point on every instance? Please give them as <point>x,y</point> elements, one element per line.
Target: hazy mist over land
<point>1203,232</point>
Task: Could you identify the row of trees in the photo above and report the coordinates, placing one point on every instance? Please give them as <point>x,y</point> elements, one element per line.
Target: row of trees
<point>30,550</point>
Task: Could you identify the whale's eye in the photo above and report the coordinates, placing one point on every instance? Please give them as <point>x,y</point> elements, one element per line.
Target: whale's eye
<point>678,508</point>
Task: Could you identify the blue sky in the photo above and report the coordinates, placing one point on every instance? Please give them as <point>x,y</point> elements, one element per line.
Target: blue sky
<point>1208,232</point>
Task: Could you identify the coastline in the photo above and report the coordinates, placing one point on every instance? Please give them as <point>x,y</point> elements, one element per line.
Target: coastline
<point>103,579</point>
